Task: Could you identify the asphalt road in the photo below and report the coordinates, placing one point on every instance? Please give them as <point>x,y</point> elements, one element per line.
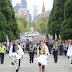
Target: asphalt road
<point>63,65</point>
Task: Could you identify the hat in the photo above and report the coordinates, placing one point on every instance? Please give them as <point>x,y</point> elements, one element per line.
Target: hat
<point>15,40</point>
<point>41,41</point>
<point>70,40</point>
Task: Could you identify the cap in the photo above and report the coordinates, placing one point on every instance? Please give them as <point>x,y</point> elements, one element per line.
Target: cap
<point>15,40</point>
<point>41,41</point>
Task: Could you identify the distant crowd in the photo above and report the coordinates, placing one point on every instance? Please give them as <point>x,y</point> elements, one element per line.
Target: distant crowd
<point>62,45</point>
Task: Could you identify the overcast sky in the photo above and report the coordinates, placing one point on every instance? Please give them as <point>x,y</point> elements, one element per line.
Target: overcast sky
<point>39,3</point>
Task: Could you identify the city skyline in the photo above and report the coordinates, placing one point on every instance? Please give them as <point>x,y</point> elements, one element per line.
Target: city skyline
<point>39,3</point>
<point>23,3</point>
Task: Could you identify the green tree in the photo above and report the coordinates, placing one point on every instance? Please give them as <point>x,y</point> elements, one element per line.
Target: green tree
<point>23,24</point>
<point>56,17</point>
<point>66,27</point>
<point>41,26</point>
<point>7,10</point>
<point>3,24</point>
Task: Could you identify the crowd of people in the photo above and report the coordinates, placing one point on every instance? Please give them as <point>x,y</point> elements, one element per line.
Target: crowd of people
<point>62,46</point>
<point>36,49</point>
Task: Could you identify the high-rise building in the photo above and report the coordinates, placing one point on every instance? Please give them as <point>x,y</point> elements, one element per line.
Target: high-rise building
<point>23,4</point>
<point>30,17</point>
<point>21,10</point>
<point>48,13</point>
<point>44,14</point>
<point>18,4</point>
<point>11,1</point>
<point>16,8</point>
<point>35,12</point>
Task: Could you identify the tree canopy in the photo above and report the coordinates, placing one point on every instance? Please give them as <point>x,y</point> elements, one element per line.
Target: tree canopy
<point>23,24</point>
<point>41,26</point>
<point>60,19</point>
<point>8,24</point>
<point>66,27</point>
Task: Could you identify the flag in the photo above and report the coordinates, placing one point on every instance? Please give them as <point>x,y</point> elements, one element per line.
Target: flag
<point>55,36</point>
<point>51,37</point>
<point>59,37</point>
<point>7,40</point>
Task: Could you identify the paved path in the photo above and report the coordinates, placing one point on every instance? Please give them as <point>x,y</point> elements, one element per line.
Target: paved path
<point>63,65</point>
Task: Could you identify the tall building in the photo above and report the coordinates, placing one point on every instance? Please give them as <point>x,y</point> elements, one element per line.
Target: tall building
<point>48,13</point>
<point>43,15</point>
<point>43,9</point>
<point>35,13</point>
<point>30,17</point>
<point>18,4</point>
<point>16,8</point>
<point>11,1</point>
<point>21,10</point>
<point>35,10</point>
<point>23,4</point>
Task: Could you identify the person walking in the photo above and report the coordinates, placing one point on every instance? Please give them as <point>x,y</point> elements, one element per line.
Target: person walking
<point>65,48</point>
<point>61,48</point>
<point>2,53</point>
<point>27,46</point>
<point>55,52</point>
<point>42,56</point>
<point>31,52</point>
